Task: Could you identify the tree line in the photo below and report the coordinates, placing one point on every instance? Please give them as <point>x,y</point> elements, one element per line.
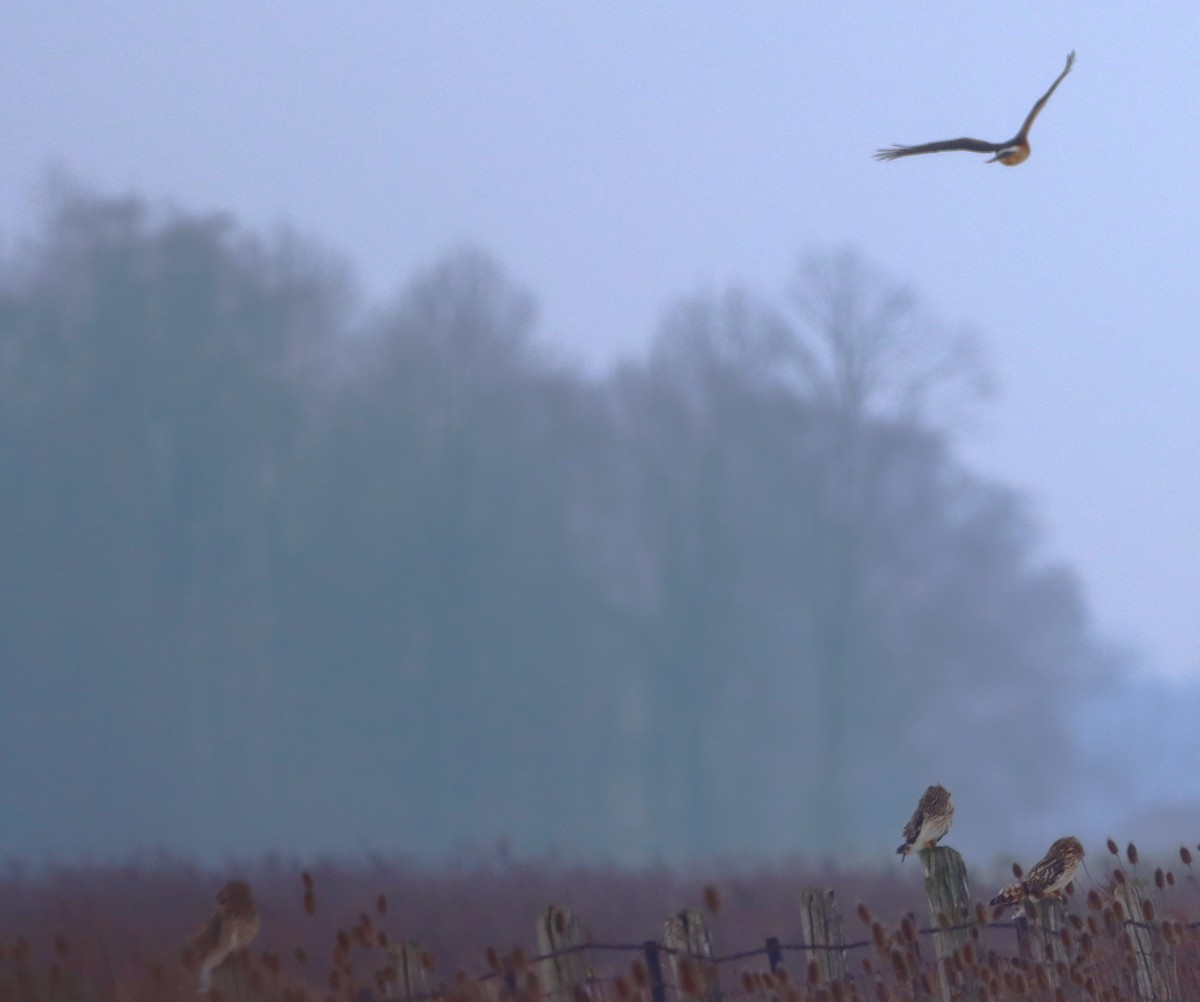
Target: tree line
<point>283,570</point>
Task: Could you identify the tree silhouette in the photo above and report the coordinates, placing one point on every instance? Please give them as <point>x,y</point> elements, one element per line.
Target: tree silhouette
<point>276,573</point>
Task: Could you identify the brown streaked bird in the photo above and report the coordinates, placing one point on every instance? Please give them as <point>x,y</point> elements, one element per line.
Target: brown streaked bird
<point>232,926</point>
<point>1049,876</point>
<point>930,821</point>
<point>1011,153</point>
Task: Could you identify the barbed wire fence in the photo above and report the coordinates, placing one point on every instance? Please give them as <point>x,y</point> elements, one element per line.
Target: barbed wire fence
<point>1117,947</point>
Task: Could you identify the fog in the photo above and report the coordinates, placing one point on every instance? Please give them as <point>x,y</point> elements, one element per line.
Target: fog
<point>430,428</point>
<point>287,573</point>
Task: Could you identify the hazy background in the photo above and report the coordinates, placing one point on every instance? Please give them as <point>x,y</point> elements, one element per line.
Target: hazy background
<point>543,445</point>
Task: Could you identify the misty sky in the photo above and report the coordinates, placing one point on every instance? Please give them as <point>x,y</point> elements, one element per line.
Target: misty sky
<point>617,156</point>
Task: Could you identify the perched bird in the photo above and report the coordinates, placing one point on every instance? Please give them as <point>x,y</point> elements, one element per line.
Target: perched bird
<point>1049,876</point>
<point>232,926</point>
<point>1011,153</point>
<point>930,821</point>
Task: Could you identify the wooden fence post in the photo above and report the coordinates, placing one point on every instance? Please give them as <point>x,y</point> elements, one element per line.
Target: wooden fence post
<point>231,981</point>
<point>561,936</point>
<point>821,919</point>
<point>1051,915</point>
<point>658,990</point>
<point>950,912</point>
<point>1157,974</point>
<point>1039,939</point>
<point>412,978</point>
<point>686,935</point>
<point>774,953</point>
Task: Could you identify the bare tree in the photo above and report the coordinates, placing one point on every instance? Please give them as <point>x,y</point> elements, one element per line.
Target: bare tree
<point>865,348</point>
<point>867,357</point>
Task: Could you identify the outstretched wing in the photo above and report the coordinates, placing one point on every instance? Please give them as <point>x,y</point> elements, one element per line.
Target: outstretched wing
<point>1046,97</point>
<point>971,145</point>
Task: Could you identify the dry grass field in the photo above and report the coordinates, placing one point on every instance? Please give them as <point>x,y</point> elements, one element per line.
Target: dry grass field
<point>117,933</point>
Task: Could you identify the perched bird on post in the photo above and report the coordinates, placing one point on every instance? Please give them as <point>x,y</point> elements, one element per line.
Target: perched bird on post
<point>930,821</point>
<point>1049,876</point>
<point>1011,153</point>
<point>232,926</point>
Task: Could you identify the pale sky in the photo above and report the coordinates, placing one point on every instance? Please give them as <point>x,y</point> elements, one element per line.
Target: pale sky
<point>616,156</point>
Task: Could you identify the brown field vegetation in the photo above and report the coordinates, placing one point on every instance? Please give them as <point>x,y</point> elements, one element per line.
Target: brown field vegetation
<point>117,932</point>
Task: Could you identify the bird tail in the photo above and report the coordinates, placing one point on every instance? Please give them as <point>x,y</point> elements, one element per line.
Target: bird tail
<point>904,850</point>
<point>1013,894</point>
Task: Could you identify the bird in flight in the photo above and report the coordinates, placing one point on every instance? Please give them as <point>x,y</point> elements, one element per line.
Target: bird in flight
<point>1010,153</point>
<point>1049,876</point>
<point>930,821</point>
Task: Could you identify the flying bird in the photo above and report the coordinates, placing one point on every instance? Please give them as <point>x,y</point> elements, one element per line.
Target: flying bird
<point>1011,153</point>
<point>930,821</point>
<point>1049,876</point>
<point>232,926</point>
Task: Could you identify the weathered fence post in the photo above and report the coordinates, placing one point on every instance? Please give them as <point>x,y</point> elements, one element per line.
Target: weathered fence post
<point>230,979</point>
<point>1157,974</point>
<point>950,912</point>
<point>774,953</point>
<point>1051,915</point>
<point>821,919</point>
<point>412,978</point>
<point>686,936</point>
<point>1040,943</point>
<point>561,939</point>
<point>658,990</point>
